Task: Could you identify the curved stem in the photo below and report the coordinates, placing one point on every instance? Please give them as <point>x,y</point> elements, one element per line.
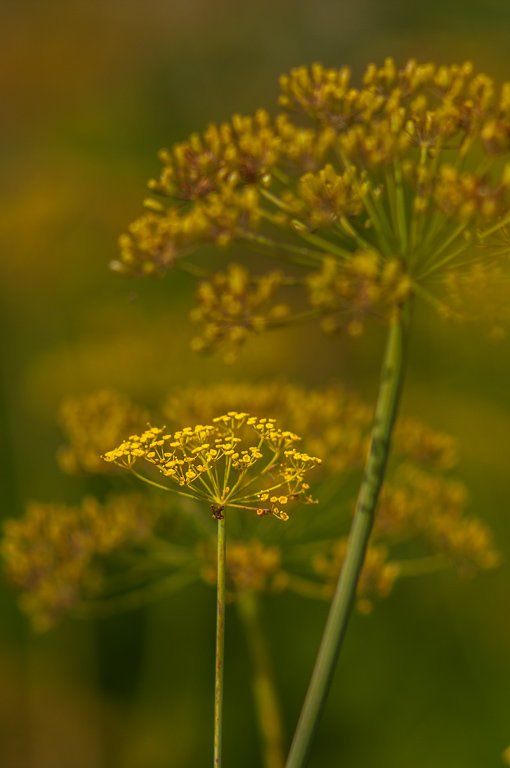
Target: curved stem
<point>220,642</point>
<point>343,600</point>
<point>267,706</point>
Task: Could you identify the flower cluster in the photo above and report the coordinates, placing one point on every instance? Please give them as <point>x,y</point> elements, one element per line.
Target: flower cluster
<point>405,510</point>
<point>50,551</point>
<point>251,566</point>
<point>237,461</point>
<point>231,306</point>
<point>348,292</point>
<point>370,193</point>
<point>485,287</point>
<point>421,503</point>
<point>418,443</point>
<point>377,577</point>
<point>93,424</point>
<point>335,423</point>
<point>247,463</point>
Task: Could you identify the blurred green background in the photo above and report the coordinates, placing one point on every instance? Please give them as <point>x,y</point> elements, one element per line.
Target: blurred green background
<point>89,92</point>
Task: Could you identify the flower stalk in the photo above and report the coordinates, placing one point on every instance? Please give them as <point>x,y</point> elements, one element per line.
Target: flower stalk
<point>267,706</point>
<point>343,600</point>
<point>220,640</point>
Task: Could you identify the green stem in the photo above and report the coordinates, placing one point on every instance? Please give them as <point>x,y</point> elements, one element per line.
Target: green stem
<point>267,706</point>
<point>343,600</point>
<point>110,605</point>
<point>401,206</point>
<point>295,254</point>
<point>322,243</point>
<point>220,642</point>
<point>422,565</point>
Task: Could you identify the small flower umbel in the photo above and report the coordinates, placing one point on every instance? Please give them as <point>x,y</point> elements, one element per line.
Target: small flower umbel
<point>239,461</point>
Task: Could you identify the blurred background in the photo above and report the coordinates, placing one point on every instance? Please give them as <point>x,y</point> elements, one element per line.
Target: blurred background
<point>90,91</point>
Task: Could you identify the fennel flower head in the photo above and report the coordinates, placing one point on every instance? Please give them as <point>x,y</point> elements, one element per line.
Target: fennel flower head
<point>366,194</point>
<point>238,461</point>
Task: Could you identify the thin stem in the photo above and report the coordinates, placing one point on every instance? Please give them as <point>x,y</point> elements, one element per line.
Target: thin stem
<point>392,197</point>
<point>295,253</point>
<point>375,213</point>
<point>192,269</point>
<point>420,290</point>
<point>307,588</point>
<point>267,705</point>
<point>322,243</point>
<point>343,600</point>
<point>345,226</point>
<point>111,605</point>
<point>449,240</point>
<point>379,221</point>
<point>435,267</point>
<point>422,565</point>
<point>220,642</point>
<point>196,495</point>
<point>226,475</point>
<point>276,201</point>
<point>501,223</point>
<point>401,206</point>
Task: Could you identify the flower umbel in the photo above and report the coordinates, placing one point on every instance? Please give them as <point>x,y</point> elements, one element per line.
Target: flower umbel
<point>50,552</point>
<point>231,305</point>
<point>371,193</point>
<point>93,424</point>
<point>237,461</point>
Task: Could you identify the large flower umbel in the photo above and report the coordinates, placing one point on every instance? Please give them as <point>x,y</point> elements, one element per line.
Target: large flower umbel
<point>371,194</point>
<point>237,461</point>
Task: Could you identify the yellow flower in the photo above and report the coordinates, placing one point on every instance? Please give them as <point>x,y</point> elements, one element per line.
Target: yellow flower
<point>377,577</point>
<point>49,553</point>
<point>231,305</point>
<point>56,554</point>
<point>392,188</point>
<point>234,462</point>
<point>251,566</point>
<point>93,423</point>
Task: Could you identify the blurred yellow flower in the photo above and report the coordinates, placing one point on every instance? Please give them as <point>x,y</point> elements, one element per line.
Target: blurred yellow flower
<point>396,187</point>
<point>49,552</point>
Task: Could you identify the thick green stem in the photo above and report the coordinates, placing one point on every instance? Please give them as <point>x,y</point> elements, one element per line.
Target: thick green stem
<point>220,642</point>
<point>343,600</point>
<point>267,706</point>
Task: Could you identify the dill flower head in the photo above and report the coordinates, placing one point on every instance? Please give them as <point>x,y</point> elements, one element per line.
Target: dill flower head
<point>50,552</point>
<point>369,193</point>
<point>93,423</point>
<point>237,461</point>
